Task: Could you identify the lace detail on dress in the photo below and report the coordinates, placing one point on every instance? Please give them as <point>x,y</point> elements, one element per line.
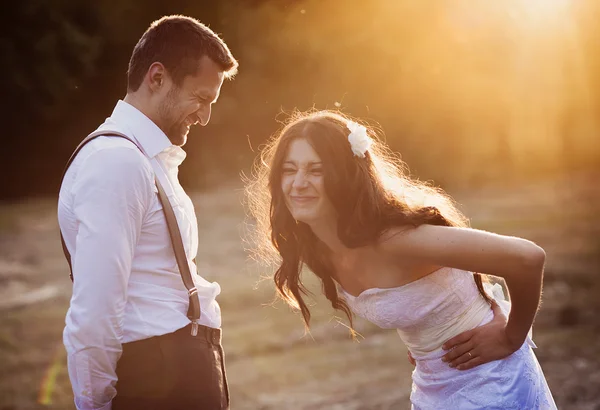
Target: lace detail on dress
<point>430,301</point>
<point>426,312</point>
<point>425,308</point>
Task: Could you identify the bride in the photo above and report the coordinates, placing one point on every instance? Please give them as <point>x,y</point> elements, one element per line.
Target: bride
<point>327,194</point>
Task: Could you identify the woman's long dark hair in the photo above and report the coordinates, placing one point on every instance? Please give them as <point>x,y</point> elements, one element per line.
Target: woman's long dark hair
<point>370,195</point>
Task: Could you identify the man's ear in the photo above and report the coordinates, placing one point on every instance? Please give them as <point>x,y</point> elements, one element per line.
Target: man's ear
<point>156,77</point>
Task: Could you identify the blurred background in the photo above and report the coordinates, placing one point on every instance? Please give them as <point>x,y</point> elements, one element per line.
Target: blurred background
<point>498,102</point>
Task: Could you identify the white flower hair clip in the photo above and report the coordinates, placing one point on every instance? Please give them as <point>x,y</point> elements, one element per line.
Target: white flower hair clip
<point>358,138</point>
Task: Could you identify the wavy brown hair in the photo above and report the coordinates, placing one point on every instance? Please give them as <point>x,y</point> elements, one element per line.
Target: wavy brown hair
<point>370,195</point>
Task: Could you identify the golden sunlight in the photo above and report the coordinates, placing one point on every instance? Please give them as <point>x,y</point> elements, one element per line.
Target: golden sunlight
<point>504,80</point>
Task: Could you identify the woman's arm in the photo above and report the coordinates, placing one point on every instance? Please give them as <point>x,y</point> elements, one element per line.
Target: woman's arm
<point>518,261</point>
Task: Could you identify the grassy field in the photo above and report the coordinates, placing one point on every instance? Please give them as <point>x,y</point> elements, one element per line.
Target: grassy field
<point>271,362</point>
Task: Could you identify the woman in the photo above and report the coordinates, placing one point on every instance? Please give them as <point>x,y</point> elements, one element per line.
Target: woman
<point>327,194</point>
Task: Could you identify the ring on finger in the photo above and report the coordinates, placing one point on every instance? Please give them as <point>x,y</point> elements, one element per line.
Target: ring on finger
<point>470,355</point>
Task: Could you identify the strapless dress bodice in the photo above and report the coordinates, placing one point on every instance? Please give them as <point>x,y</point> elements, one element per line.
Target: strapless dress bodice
<point>425,312</point>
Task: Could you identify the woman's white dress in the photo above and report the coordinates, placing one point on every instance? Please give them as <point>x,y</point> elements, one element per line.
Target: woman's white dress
<point>429,311</point>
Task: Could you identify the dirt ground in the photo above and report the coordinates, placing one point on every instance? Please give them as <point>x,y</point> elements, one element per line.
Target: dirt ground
<point>271,363</point>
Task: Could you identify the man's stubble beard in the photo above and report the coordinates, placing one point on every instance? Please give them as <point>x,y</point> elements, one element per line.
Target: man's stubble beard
<point>171,128</point>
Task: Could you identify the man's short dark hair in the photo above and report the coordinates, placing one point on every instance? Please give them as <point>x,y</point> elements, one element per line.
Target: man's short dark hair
<point>178,43</point>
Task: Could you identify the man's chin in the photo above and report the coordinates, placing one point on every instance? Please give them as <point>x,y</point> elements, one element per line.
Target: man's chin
<point>178,139</point>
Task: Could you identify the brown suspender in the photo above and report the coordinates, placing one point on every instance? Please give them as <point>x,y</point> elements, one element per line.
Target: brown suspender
<point>176,241</point>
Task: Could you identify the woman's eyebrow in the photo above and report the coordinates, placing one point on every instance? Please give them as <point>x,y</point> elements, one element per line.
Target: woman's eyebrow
<point>309,163</point>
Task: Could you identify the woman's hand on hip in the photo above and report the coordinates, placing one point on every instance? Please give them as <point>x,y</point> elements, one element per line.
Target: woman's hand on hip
<point>480,345</point>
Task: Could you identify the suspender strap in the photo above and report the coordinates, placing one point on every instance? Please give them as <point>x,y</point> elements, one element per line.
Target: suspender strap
<point>184,267</point>
<point>174,232</point>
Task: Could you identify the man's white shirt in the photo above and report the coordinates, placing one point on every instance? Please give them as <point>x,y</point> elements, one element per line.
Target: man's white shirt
<point>127,285</point>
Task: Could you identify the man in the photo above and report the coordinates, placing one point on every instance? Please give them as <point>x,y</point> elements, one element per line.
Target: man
<point>127,333</point>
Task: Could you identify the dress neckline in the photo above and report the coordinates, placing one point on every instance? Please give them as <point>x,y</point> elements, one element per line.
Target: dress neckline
<point>377,290</point>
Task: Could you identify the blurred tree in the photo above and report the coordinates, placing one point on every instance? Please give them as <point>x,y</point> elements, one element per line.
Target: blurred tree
<point>65,64</point>
<point>463,90</point>
<point>47,49</point>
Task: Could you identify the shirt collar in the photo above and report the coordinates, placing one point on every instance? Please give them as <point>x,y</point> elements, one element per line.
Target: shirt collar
<point>152,139</point>
<point>172,156</point>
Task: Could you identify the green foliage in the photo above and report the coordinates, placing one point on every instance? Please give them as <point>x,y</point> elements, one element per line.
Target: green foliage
<point>466,93</point>
<point>47,51</point>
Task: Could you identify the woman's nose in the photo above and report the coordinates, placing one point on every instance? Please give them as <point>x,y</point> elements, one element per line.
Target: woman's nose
<point>300,180</point>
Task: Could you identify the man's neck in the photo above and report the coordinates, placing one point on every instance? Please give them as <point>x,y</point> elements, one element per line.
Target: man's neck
<point>140,104</point>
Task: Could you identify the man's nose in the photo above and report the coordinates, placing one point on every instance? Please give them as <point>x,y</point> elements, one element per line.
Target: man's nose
<point>203,115</point>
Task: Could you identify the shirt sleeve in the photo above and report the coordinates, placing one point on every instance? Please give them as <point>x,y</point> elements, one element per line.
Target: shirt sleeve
<point>111,193</point>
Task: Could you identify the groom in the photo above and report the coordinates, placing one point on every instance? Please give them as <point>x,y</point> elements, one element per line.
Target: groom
<point>129,341</point>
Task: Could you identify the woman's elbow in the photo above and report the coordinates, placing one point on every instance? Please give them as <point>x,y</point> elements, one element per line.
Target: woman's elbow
<point>533,257</point>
